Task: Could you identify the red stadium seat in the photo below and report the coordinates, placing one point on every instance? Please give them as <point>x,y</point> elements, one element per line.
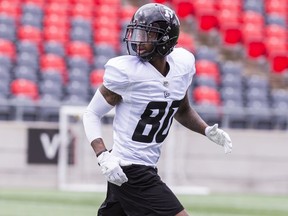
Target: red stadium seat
<point>7,7</point>
<point>206,94</point>
<point>78,48</point>
<point>207,20</point>
<point>39,3</point>
<point>184,8</point>
<point>56,8</point>
<point>235,5</point>
<point>53,33</point>
<point>55,20</point>
<point>110,11</point>
<point>7,48</point>
<point>275,45</point>
<point>187,41</point>
<point>30,33</point>
<point>52,61</point>
<point>276,7</point>
<point>110,36</point>
<point>274,30</point>
<point>96,78</point>
<point>252,32</point>
<point>82,10</point>
<point>252,17</point>
<point>279,62</point>
<point>24,87</point>
<point>209,68</point>
<point>127,11</point>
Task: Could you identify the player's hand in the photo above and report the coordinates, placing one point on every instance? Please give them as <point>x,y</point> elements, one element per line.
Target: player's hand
<point>220,137</point>
<point>111,168</point>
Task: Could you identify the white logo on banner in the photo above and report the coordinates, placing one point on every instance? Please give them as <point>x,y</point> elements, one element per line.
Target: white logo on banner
<point>50,146</point>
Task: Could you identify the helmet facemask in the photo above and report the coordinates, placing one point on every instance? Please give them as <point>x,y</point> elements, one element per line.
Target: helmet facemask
<point>137,36</point>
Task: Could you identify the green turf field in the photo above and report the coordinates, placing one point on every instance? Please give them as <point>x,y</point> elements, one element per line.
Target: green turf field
<point>55,203</point>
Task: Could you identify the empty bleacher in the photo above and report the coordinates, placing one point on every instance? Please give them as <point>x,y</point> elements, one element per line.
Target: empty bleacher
<point>52,53</point>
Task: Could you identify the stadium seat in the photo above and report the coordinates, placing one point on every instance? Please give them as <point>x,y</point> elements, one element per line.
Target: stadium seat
<point>184,8</point>
<point>254,5</point>
<point>24,87</point>
<point>209,111</point>
<point>5,74</point>
<point>259,116</point>
<point>52,61</point>
<point>257,81</point>
<point>10,9</point>
<point>55,20</point>
<point>5,109</point>
<point>5,61</point>
<point>8,20</point>
<point>232,80</point>
<point>7,32</point>
<point>55,33</point>
<point>30,33</point>
<point>24,108</point>
<point>96,79</point>
<point>48,108</point>
<point>208,53</point>
<point>74,100</point>
<point>75,87</point>
<point>100,61</point>
<point>209,68</point>
<point>7,48</point>
<point>27,59</point>
<point>55,48</point>
<point>104,49</point>
<point>82,23</point>
<point>27,46</point>
<point>206,94</point>
<point>229,93</point>
<point>29,20</point>
<point>279,62</point>
<point>275,19</point>
<point>80,34</point>
<point>252,17</point>
<point>25,72</point>
<point>33,9</point>
<point>82,10</point>
<point>204,80</point>
<point>78,48</point>
<point>275,45</point>
<point>4,88</point>
<point>77,74</point>
<point>234,115</point>
<point>78,62</point>
<point>232,67</point>
<point>52,74</point>
<point>235,6</point>
<point>187,41</point>
<point>56,8</point>
<point>275,30</point>
<point>49,87</point>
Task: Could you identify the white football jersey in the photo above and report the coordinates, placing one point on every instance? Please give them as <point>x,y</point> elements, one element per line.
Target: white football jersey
<point>150,100</point>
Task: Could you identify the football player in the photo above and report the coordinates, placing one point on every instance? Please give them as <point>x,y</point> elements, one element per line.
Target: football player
<point>148,89</point>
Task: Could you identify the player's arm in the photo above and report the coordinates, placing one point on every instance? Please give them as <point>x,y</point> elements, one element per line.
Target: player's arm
<point>102,102</point>
<point>112,99</point>
<point>189,118</point>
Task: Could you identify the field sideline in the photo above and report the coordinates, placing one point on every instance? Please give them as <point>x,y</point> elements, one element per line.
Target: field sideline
<point>56,203</point>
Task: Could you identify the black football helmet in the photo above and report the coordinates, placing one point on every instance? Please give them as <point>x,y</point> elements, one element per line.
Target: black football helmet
<point>155,24</point>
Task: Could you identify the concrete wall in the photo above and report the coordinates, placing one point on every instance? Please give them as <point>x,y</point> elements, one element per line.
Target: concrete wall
<point>258,163</point>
